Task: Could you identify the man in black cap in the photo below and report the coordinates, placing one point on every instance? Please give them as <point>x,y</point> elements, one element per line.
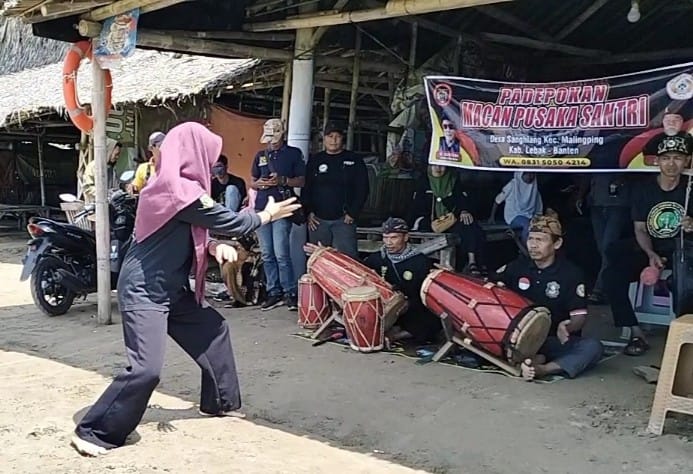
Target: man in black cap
<point>336,190</point>
<point>405,268</point>
<point>659,212</point>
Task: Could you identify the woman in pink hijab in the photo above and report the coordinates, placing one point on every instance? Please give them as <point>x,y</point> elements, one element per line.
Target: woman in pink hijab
<point>171,240</point>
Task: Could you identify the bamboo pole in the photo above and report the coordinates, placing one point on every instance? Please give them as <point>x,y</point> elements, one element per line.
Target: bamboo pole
<point>116,8</point>
<point>42,179</point>
<point>326,108</point>
<point>393,9</point>
<point>286,93</point>
<point>103,266</point>
<point>354,91</point>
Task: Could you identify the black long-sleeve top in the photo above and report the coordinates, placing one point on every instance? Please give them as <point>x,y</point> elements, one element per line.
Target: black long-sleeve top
<point>422,205</point>
<point>335,185</point>
<point>155,272</point>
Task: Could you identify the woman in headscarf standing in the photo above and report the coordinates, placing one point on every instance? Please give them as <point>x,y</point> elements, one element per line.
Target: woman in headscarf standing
<point>448,198</point>
<point>522,202</point>
<point>174,214</point>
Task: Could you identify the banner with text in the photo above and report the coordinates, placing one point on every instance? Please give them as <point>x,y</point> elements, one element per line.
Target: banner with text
<point>612,123</point>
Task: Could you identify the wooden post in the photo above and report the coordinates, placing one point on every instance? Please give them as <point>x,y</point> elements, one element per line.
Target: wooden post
<point>326,108</point>
<point>103,264</point>
<point>354,90</point>
<point>286,94</point>
<point>412,47</point>
<point>42,183</point>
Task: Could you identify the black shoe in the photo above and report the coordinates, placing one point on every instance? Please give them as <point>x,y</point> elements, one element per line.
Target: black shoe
<point>291,303</point>
<point>271,303</point>
<point>222,296</point>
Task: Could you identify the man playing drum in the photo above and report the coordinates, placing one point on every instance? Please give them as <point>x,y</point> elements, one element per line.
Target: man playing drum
<point>549,280</point>
<point>403,267</point>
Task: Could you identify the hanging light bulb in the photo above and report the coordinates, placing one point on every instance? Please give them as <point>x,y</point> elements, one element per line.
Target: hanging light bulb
<point>634,13</point>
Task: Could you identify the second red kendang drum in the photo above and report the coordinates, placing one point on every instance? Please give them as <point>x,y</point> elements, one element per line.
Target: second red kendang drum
<point>363,319</point>
<point>336,272</point>
<point>496,319</point>
<point>313,303</point>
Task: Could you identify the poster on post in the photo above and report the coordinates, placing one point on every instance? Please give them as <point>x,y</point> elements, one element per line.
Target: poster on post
<point>611,123</point>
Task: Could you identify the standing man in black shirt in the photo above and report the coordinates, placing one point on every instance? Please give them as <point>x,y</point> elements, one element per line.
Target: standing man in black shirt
<point>405,268</point>
<point>335,192</point>
<point>552,281</point>
<point>659,213</point>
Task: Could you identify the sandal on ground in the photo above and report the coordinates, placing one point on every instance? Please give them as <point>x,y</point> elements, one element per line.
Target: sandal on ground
<point>636,347</point>
<point>472,269</point>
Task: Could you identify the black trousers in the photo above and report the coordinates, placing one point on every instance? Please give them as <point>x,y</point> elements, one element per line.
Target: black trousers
<point>472,240</point>
<point>201,332</point>
<point>625,261</point>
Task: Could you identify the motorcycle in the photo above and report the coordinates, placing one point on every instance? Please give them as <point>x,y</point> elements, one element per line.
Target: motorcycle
<point>61,257</point>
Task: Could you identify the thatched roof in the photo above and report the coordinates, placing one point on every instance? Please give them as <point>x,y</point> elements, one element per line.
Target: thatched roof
<point>147,77</point>
<point>20,49</point>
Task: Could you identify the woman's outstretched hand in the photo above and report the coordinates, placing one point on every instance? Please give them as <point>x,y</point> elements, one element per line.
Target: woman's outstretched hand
<point>280,209</point>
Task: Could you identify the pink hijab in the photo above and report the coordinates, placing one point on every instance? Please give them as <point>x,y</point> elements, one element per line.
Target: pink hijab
<point>183,175</point>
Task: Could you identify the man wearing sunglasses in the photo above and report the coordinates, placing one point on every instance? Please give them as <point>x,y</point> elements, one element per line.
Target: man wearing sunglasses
<point>449,147</point>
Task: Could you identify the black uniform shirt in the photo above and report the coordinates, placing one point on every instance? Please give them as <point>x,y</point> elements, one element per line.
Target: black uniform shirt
<point>406,276</point>
<point>559,287</point>
<point>155,272</point>
<point>335,185</point>
<point>661,211</point>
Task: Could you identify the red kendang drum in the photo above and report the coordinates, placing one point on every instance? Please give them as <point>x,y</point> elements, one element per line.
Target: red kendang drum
<point>336,272</point>
<point>313,303</point>
<point>363,318</point>
<point>496,319</point>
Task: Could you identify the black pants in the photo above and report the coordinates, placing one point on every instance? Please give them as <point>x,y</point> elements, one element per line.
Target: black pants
<point>472,240</point>
<point>201,332</point>
<point>625,261</point>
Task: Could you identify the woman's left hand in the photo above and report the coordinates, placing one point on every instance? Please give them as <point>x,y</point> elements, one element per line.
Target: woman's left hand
<point>466,218</point>
<point>225,253</point>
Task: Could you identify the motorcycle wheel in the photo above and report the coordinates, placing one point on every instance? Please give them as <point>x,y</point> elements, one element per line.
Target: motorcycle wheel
<point>51,298</point>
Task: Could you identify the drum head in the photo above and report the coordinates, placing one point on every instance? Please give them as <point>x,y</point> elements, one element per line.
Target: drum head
<point>533,330</point>
<point>360,293</point>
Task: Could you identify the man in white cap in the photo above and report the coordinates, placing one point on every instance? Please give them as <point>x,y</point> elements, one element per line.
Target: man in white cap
<point>145,171</point>
<point>276,170</point>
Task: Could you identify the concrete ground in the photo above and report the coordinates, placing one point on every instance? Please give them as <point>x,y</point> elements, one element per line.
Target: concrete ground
<point>361,412</point>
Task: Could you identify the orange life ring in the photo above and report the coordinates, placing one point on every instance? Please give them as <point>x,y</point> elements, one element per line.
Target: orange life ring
<point>73,58</point>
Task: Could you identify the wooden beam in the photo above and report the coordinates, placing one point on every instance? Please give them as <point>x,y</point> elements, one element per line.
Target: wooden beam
<point>646,56</point>
<point>158,40</point>
<point>233,35</point>
<point>511,20</point>
<point>319,32</point>
<point>583,17</point>
<point>89,29</point>
<point>116,8</point>
<point>354,91</point>
<point>393,9</point>
<point>344,87</point>
<point>53,11</point>
<point>541,45</point>
<point>160,5</point>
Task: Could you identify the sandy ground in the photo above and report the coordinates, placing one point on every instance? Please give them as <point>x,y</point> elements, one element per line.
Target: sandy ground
<point>318,409</point>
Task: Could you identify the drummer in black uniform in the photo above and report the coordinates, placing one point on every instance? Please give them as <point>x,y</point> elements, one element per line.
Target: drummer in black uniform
<point>405,268</point>
<point>549,280</point>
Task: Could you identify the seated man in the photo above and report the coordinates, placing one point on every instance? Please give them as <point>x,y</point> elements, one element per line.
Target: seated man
<point>403,267</point>
<point>551,281</point>
<point>660,211</point>
<point>227,189</point>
